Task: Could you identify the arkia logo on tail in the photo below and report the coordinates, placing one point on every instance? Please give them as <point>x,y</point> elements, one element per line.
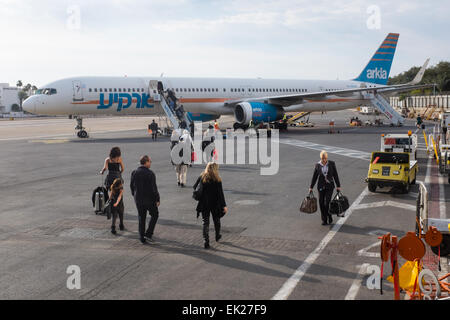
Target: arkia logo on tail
<point>376,73</point>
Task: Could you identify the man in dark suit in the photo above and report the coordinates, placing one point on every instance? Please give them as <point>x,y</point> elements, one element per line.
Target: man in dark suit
<point>146,196</point>
<point>325,171</point>
<point>154,128</point>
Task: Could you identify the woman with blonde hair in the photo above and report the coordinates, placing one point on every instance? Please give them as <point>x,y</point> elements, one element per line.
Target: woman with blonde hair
<point>212,200</point>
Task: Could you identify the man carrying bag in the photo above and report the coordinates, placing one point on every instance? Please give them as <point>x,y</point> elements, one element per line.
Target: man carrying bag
<point>326,176</point>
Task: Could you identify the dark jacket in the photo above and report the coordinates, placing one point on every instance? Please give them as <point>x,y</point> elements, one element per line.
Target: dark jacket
<point>332,177</point>
<point>143,187</point>
<point>154,127</point>
<point>212,198</point>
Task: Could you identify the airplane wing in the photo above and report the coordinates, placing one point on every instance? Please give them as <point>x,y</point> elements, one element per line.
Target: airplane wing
<point>292,99</point>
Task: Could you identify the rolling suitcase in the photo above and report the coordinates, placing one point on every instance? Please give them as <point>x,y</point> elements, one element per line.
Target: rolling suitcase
<point>99,198</point>
<point>99,202</point>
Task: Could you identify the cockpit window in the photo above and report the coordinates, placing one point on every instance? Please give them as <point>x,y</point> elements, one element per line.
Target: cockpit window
<point>47,91</point>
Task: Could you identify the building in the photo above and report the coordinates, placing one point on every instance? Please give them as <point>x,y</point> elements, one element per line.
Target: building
<point>8,97</point>
<point>422,102</point>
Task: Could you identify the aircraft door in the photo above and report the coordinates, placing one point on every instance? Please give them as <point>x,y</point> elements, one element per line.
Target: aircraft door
<point>154,90</point>
<point>77,91</point>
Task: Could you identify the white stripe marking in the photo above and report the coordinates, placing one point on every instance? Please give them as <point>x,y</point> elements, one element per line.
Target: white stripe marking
<point>442,197</point>
<point>64,135</point>
<point>292,282</point>
<point>385,204</point>
<point>354,289</point>
<point>330,149</point>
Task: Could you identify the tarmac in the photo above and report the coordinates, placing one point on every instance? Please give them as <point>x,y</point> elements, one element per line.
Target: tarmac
<point>269,249</point>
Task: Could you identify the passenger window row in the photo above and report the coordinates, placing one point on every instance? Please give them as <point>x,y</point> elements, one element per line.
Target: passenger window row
<point>197,90</point>
<point>240,90</point>
<point>116,89</point>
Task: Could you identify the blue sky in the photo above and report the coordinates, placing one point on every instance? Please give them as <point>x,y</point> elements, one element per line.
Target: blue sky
<point>47,40</point>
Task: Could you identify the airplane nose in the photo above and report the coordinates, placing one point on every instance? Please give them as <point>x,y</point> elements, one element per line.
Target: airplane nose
<point>29,105</point>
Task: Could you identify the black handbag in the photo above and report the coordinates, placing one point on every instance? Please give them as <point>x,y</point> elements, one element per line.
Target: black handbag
<point>197,194</point>
<point>339,204</point>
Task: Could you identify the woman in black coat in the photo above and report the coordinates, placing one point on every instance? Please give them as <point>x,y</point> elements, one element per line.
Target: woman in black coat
<point>326,173</point>
<point>212,200</point>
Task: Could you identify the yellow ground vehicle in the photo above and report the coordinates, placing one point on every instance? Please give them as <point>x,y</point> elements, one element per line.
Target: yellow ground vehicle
<point>391,169</point>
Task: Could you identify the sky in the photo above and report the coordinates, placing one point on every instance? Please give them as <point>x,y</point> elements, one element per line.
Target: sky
<point>46,40</point>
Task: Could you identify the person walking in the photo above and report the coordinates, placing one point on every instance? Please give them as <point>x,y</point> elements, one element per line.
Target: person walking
<point>117,207</point>
<point>326,176</point>
<point>146,196</point>
<point>185,143</point>
<point>212,200</point>
<point>419,121</point>
<point>114,165</point>
<point>154,128</point>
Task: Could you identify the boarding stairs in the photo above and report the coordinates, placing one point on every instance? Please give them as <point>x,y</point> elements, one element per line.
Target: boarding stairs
<point>170,107</point>
<point>380,103</point>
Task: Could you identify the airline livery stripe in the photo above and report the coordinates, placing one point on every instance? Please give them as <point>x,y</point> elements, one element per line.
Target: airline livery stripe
<point>97,102</point>
<point>389,42</point>
<point>384,52</point>
<point>387,47</point>
<point>185,100</point>
<point>330,100</point>
<point>203,100</point>
<point>381,60</point>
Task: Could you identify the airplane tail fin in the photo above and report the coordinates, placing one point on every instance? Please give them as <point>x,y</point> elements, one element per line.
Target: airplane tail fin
<point>379,66</point>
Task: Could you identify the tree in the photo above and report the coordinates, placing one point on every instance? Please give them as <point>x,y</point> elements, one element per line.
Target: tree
<point>15,107</point>
<point>19,84</point>
<point>438,74</point>
<point>22,96</point>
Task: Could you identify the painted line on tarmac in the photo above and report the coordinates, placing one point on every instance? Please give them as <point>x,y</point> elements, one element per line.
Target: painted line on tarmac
<point>354,289</point>
<point>289,286</point>
<point>356,154</point>
<point>64,135</point>
<point>386,204</point>
<point>442,197</point>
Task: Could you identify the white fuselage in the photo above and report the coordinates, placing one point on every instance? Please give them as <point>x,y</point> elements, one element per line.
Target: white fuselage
<point>132,95</point>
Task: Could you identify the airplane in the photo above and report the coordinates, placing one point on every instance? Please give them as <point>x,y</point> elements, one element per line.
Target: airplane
<point>206,99</point>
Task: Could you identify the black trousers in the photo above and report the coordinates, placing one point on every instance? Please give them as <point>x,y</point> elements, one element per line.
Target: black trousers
<point>324,202</point>
<point>154,136</point>
<point>117,212</point>
<point>216,219</point>
<point>142,211</point>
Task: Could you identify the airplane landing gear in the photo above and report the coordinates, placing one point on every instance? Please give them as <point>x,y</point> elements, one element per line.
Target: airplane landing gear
<point>82,133</point>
